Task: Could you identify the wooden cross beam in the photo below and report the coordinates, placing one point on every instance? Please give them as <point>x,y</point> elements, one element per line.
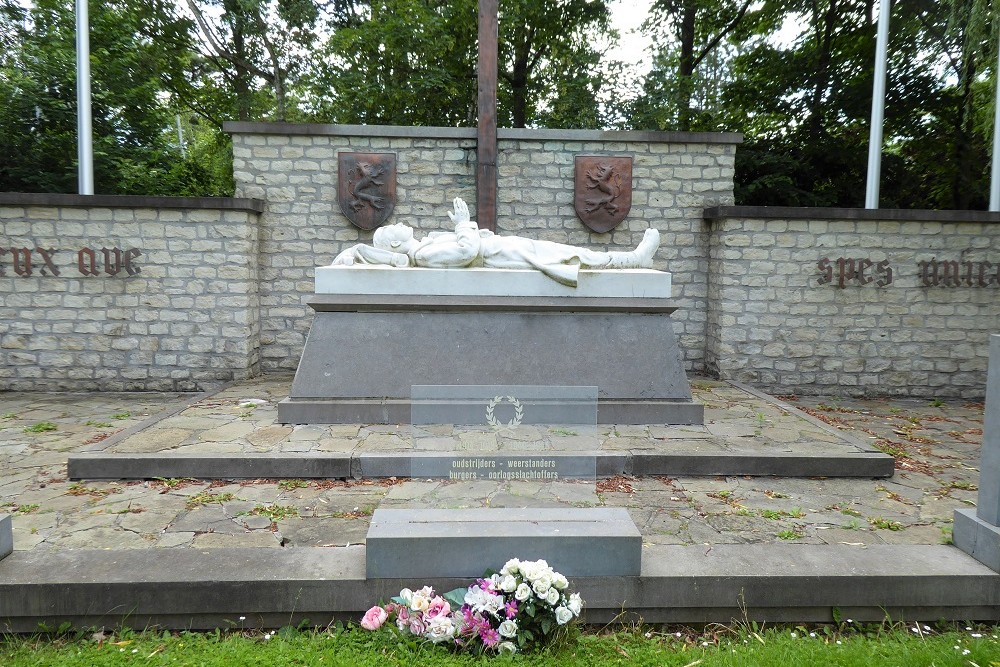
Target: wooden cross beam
<point>486,137</point>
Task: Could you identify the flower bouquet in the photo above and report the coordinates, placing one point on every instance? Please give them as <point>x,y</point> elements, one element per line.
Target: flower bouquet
<point>526,605</point>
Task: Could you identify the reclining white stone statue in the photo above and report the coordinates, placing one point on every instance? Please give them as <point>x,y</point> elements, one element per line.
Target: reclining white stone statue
<point>469,246</point>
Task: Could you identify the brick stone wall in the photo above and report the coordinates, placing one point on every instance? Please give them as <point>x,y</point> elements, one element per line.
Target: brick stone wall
<point>294,169</point>
<point>142,293</point>
<point>903,304</point>
<point>180,315</point>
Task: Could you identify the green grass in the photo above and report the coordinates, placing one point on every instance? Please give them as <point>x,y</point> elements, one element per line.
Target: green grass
<point>40,427</point>
<point>290,484</point>
<point>778,647</point>
<point>14,508</point>
<point>206,497</point>
<point>98,424</point>
<point>275,512</point>
<point>879,523</point>
<point>121,415</point>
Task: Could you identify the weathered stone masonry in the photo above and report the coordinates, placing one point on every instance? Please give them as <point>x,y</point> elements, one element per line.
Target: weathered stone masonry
<point>850,301</point>
<point>182,315</point>
<point>821,301</point>
<point>294,169</point>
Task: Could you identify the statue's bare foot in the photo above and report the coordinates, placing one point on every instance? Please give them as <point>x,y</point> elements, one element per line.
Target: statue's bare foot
<point>647,248</point>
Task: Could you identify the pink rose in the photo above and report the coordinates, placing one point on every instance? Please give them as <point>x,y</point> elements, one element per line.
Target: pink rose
<point>402,617</point>
<point>374,618</point>
<point>417,625</point>
<point>438,607</point>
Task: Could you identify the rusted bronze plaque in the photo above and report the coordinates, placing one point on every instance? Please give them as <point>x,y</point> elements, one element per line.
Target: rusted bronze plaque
<point>366,187</point>
<point>602,190</point>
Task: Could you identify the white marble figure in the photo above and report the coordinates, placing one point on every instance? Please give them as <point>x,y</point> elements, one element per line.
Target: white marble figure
<point>469,246</point>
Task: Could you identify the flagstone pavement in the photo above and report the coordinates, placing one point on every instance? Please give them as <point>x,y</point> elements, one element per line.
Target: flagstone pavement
<point>936,445</point>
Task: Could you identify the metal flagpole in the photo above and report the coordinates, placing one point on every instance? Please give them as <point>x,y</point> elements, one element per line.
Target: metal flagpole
<point>84,130</point>
<point>878,106</point>
<point>995,174</point>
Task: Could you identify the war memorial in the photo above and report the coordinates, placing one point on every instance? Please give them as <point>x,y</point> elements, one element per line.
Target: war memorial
<point>488,381</point>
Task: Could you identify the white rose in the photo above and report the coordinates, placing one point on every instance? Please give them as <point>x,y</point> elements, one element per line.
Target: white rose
<point>522,593</point>
<point>475,596</point>
<point>493,604</point>
<point>508,629</point>
<point>552,597</point>
<point>510,567</point>
<point>440,629</point>
<point>563,615</point>
<point>406,595</point>
<point>541,587</point>
<point>419,603</point>
<point>507,647</point>
<point>508,584</point>
<point>560,581</point>
<point>575,603</point>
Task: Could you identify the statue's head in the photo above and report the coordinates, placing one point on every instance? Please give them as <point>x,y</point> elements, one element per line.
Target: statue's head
<point>397,237</point>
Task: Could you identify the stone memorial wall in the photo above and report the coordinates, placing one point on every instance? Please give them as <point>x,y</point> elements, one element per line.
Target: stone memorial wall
<point>294,168</point>
<point>127,293</point>
<point>117,293</point>
<point>850,301</point>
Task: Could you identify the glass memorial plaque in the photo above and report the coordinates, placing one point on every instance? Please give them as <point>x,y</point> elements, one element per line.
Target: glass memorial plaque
<point>504,433</point>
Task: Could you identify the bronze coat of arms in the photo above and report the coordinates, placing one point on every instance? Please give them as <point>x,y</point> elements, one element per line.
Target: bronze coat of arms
<point>602,193</point>
<point>366,187</point>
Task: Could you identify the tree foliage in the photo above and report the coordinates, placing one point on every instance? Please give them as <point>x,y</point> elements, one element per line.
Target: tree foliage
<point>795,76</point>
<point>135,151</point>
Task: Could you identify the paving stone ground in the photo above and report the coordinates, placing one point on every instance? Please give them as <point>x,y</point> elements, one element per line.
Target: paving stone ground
<point>936,445</point>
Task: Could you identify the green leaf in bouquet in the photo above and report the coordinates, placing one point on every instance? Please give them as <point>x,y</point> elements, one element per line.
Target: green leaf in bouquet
<point>489,573</point>
<point>530,610</point>
<point>397,600</point>
<point>528,635</point>
<point>456,598</point>
<point>546,624</point>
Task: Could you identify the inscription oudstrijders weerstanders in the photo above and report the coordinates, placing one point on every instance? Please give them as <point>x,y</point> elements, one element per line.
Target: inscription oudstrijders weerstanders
<point>89,262</point>
<point>934,272</point>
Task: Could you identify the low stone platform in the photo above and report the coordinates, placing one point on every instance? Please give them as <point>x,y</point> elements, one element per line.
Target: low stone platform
<point>263,588</point>
<point>193,552</point>
<point>434,543</point>
<point>746,433</point>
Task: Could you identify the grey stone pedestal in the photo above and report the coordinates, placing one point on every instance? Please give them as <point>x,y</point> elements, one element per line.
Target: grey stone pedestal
<point>365,352</point>
<point>976,531</point>
<point>425,543</point>
<point>6,536</point>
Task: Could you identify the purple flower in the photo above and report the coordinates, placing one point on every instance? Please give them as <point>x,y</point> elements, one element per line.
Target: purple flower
<point>511,609</point>
<point>489,636</point>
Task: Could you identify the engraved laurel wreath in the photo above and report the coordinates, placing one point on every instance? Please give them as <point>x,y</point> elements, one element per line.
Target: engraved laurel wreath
<point>497,424</point>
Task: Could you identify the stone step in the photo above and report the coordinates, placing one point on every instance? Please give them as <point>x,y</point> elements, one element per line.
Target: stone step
<point>195,588</point>
<point>102,465</point>
<point>426,543</point>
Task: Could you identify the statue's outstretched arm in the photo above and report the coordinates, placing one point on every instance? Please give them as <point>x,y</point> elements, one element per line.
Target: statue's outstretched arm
<point>366,254</point>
